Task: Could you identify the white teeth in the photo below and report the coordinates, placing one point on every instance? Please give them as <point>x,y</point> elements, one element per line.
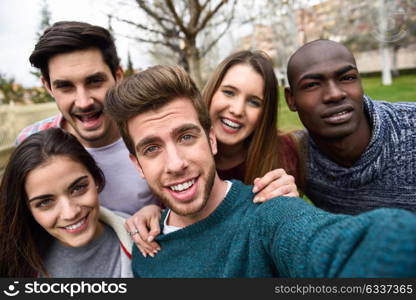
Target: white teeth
<point>182,186</point>
<point>340,113</point>
<point>231,123</point>
<point>75,226</point>
<point>88,118</point>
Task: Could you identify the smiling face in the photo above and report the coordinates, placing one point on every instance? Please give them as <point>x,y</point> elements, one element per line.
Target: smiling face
<point>326,91</point>
<point>79,81</point>
<point>63,199</point>
<point>175,155</point>
<point>237,105</point>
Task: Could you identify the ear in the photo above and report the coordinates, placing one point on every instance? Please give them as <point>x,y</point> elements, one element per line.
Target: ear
<point>290,100</point>
<point>135,162</point>
<point>119,74</point>
<point>47,86</point>
<point>212,141</point>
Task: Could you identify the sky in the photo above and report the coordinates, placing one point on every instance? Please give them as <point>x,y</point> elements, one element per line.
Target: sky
<point>20,19</point>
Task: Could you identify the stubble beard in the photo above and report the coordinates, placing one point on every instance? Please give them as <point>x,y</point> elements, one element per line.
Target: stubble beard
<point>190,211</point>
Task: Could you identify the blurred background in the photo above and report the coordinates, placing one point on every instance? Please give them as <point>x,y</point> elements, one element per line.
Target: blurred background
<point>198,34</point>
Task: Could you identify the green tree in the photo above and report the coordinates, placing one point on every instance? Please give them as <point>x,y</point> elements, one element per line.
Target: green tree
<point>10,91</point>
<point>45,21</point>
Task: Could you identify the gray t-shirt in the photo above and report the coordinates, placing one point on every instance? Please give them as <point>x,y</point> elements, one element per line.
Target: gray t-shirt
<point>99,258</point>
<point>124,189</point>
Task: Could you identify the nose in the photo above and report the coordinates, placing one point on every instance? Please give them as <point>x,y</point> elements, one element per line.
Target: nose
<point>83,98</point>
<point>236,107</point>
<point>176,162</point>
<point>334,92</point>
<point>69,210</point>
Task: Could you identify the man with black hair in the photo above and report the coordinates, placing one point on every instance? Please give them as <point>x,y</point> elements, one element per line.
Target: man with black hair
<point>79,63</point>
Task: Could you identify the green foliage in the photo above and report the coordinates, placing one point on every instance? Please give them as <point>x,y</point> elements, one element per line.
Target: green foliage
<point>39,95</point>
<point>45,21</point>
<point>10,91</point>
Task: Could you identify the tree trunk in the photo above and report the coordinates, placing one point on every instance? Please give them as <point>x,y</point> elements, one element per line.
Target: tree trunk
<point>385,64</point>
<point>395,68</point>
<point>384,49</point>
<point>195,66</point>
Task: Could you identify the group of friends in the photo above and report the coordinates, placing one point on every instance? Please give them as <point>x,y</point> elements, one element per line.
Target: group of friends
<point>146,176</point>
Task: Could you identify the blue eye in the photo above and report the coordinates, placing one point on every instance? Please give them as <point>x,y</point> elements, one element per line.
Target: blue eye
<point>150,150</point>
<point>228,93</point>
<point>187,137</point>
<point>254,102</point>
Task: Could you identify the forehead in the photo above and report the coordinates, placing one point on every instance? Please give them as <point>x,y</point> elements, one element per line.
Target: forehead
<point>56,172</point>
<point>245,77</point>
<point>321,58</point>
<point>163,120</point>
<point>80,63</point>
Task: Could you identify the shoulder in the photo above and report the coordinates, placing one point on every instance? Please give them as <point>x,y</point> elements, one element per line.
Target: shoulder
<point>54,121</point>
<point>116,222</point>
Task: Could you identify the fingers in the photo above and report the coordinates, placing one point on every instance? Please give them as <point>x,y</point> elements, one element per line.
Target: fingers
<point>135,236</point>
<point>267,179</point>
<point>289,190</point>
<point>278,184</point>
<point>143,227</point>
<point>154,229</point>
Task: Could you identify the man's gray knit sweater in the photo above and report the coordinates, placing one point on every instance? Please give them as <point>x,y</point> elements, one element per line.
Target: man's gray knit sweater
<point>385,174</point>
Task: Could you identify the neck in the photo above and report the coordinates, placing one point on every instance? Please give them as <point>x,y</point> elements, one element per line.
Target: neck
<point>217,195</point>
<point>229,156</point>
<point>347,150</point>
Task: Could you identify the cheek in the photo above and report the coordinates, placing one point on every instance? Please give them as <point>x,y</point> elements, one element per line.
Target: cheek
<point>151,170</point>
<point>217,104</point>
<point>46,219</point>
<point>91,198</point>
<point>63,103</point>
<point>253,116</point>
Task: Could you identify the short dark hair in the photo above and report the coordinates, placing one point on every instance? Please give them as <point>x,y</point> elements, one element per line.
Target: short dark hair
<point>67,36</point>
<point>23,240</point>
<point>151,89</point>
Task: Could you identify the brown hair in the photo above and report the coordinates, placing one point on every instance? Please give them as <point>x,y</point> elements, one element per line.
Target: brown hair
<point>68,36</point>
<point>23,240</point>
<point>148,90</point>
<point>262,146</point>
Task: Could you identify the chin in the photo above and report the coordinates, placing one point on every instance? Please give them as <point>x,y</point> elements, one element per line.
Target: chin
<point>79,242</point>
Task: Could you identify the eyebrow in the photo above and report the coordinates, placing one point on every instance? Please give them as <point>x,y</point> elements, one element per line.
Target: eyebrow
<point>318,76</point>
<point>45,196</point>
<point>96,75</point>
<point>58,82</point>
<point>153,138</point>
<point>88,78</point>
<point>345,70</point>
<point>185,128</point>
<point>236,89</point>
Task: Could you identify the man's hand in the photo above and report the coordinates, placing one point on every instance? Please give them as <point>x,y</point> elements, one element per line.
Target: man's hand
<point>275,183</point>
<point>143,227</point>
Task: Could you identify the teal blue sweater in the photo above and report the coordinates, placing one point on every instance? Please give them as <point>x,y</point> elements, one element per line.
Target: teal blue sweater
<point>285,237</point>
